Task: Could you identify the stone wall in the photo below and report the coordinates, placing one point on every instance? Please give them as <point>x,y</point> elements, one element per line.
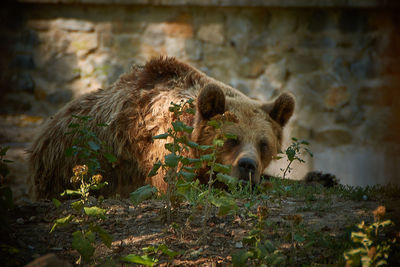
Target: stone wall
<point>341,64</point>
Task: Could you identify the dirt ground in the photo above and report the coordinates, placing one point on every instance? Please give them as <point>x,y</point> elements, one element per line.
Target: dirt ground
<point>25,236</point>
<point>135,227</point>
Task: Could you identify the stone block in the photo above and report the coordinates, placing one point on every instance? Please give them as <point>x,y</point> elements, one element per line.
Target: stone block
<point>353,21</point>
<point>317,82</point>
<point>333,136</point>
<point>62,69</point>
<point>175,47</point>
<point>25,82</point>
<point>194,49</point>
<point>318,20</point>
<point>364,68</point>
<point>123,26</point>
<point>302,63</point>
<point>23,61</point>
<point>154,34</point>
<point>277,73</point>
<point>251,67</point>
<point>283,22</point>
<point>73,25</point>
<point>39,24</point>
<point>82,43</point>
<point>241,85</point>
<point>212,33</point>
<point>178,30</point>
<point>318,42</point>
<point>336,97</point>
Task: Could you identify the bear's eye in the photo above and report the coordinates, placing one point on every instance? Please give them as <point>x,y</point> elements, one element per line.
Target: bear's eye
<point>232,142</point>
<point>263,145</point>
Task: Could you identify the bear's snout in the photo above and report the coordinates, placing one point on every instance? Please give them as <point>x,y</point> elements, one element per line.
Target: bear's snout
<point>247,167</point>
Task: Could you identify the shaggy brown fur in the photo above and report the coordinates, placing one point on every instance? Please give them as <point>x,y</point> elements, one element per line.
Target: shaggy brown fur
<point>136,108</point>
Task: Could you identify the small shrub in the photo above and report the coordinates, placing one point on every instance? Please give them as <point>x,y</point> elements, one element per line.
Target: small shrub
<point>87,147</point>
<point>373,246</point>
<point>293,153</point>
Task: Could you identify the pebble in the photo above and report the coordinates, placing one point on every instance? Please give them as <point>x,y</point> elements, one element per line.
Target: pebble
<point>195,254</point>
<point>238,245</point>
<point>20,221</point>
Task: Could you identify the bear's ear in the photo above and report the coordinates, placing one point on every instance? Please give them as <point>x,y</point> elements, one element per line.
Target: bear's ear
<point>211,101</point>
<point>281,109</point>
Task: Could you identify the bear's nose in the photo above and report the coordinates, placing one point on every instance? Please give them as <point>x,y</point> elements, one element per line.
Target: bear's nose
<point>247,166</point>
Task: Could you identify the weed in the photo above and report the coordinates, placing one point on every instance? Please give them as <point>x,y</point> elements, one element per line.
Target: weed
<point>293,153</point>
<point>261,251</point>
<point>151,253</point>
<point>373,245</point>
<point>87,147</point>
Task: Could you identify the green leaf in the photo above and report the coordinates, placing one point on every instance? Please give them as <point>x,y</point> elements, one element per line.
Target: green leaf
<point>215,124</point>
<point>192,144</point>
<point>230,181</point>
<point>110,157</point>
<point>77,205</point>
<point>105,237</point>
<point>145,260</point>
<point>93,145</point>
<point>298,238</point>
<point>226,205</point>
<point>290,153</point>
<point>69,152</point>
<point>231,136</point>
<point>161,136</point>
<point>222,168</point>
<point>69,192</point>
<point>142,193</point>
<point>171,160</point>
<point>189,168</point>
<point>171,147</point>
<point>188,176</point>
<point>188,161</point>
<point>190,111</point>
<point>102,125</point>
<point>56,202</point>
<point>179,126</point>
<point>73,125</point>
<point>170,253</point>
<point>62,222</point>
<point>218,142</point>
<point>155,168</point>
<point>207,157</point>
<point>240,258</point>
<point>95,212</point>
<point>205,147</point>
<point>358,237</point>
<point>98,186</point>
<point>82,245</point>
<point>4,150</point>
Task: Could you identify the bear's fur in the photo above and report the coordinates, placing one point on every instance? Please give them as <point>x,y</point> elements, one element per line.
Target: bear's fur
<point>136,108</point>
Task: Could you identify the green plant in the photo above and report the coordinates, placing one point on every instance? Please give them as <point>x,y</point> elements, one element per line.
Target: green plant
<point>86,145</point>
<point>373,245</point>
<point>293,153</point>
<point>180,170</point>
<point>261,252</point>
<point>151,253</point>
<point>84,212</point>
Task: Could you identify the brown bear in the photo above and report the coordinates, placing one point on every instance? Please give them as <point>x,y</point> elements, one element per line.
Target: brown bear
<point>136,109</point>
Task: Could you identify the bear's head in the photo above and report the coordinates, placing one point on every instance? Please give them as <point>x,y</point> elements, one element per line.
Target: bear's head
<point>258,128</point>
